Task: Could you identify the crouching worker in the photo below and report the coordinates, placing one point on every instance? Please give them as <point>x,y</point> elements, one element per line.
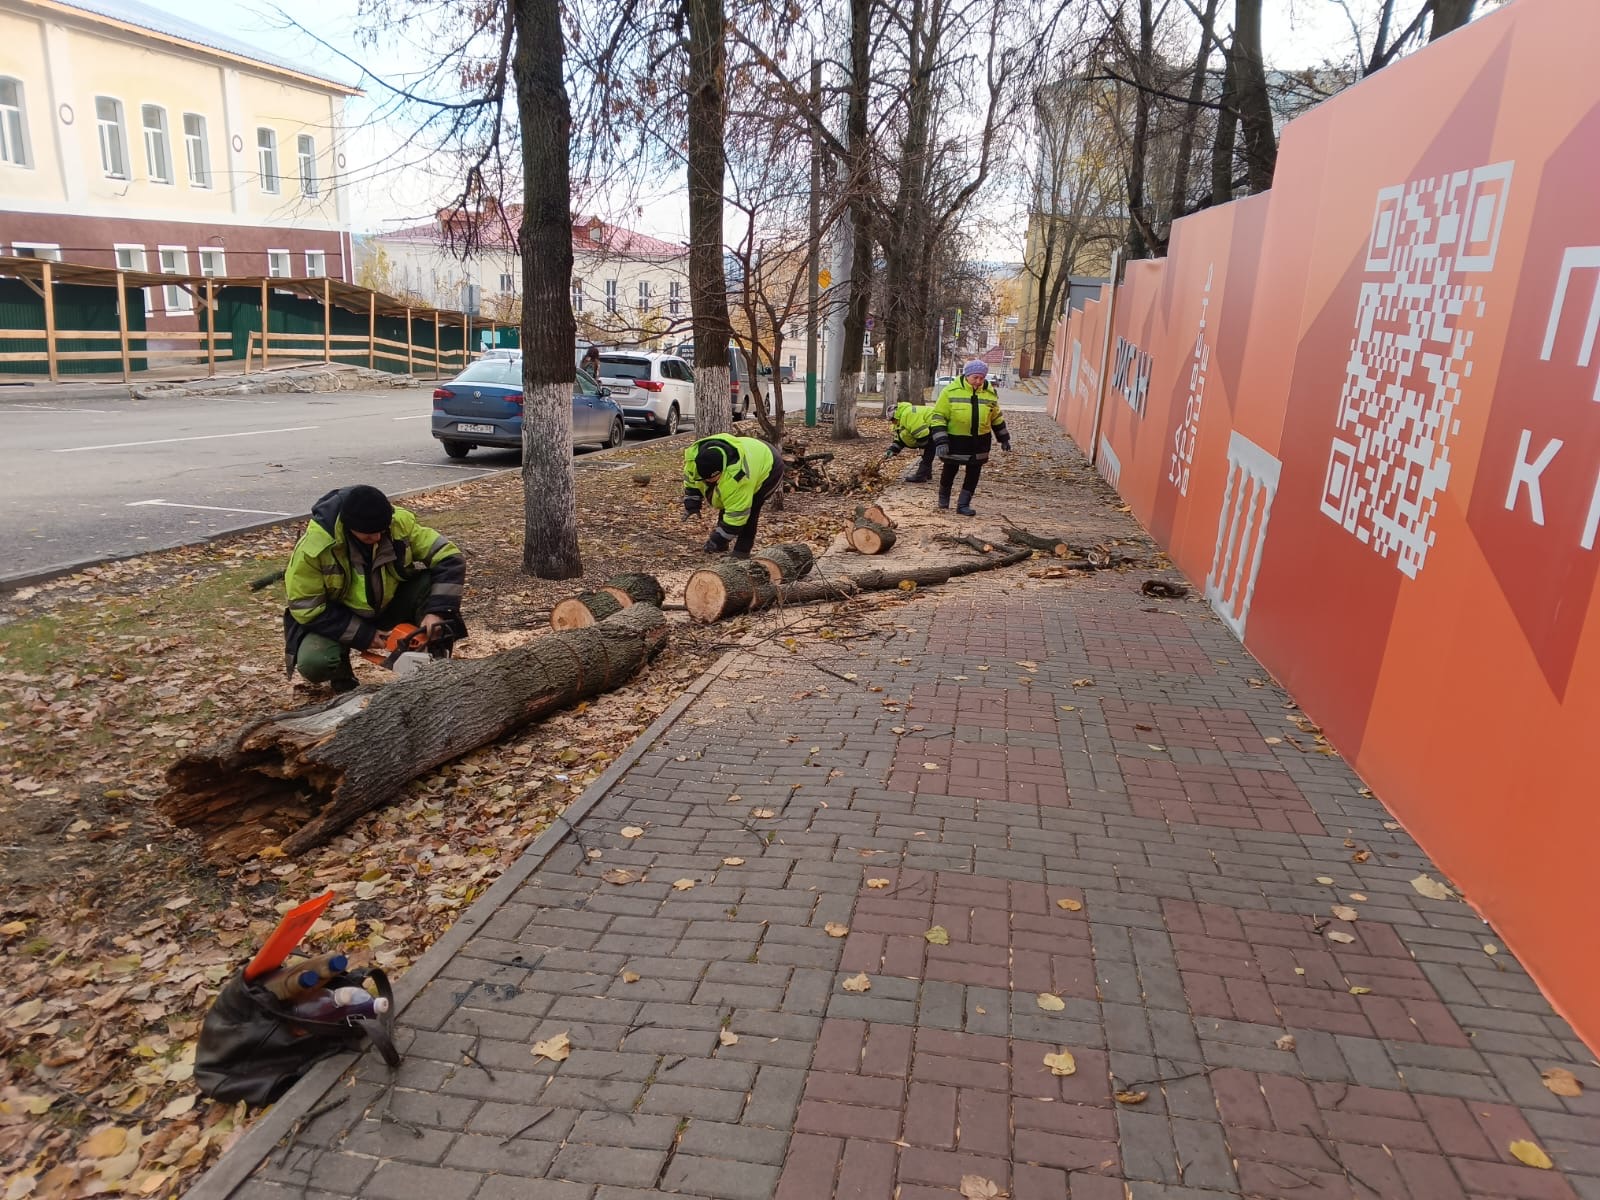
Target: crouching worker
<point>737,474</point>
<point>361,567</point>
<point>913,431</point>
<point>964,415</point>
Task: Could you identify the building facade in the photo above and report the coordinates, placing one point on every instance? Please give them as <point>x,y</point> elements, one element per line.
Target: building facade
<point>132,139</point>
<point>627,288</point>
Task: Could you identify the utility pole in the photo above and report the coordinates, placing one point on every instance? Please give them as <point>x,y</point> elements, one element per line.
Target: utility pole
<point>813,263</point>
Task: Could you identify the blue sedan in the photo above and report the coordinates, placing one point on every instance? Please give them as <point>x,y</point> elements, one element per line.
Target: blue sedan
<point>482,406</point>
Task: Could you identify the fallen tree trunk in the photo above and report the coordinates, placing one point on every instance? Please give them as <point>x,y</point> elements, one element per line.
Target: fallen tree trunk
<point>635,588</point>
<point>875,514</point>
<point>727,589</point>
<point>971,543</point>
<point>575,612</point>
<point>786,562</point>
<point>869,537</point>
<point>1050,545</point>
<point>701,606</point>
<point>296,779</point>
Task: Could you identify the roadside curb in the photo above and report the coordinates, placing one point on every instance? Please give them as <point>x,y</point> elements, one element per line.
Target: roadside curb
<point>241,1159</point>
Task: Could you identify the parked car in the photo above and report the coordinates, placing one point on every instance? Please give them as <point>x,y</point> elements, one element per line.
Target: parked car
<point>741,395</point>
<point>656,391</point>
<point>482,406</point>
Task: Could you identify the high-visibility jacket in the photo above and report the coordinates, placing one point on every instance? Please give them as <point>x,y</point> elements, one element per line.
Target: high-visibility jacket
<point>749,466</point>
<point>337,586</point>
<point>913,425</point>
<point>962,411</point>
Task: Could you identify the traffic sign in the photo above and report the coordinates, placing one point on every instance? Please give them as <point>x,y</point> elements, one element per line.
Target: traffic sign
<point>824,278</point>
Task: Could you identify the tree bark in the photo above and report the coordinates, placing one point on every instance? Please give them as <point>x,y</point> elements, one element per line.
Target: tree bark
<point>1222,147</point>
<point>706,87</point>
<point>707,605</point>
<point>787,562</point>
<point>1449,16</point>
<point>298,778</point>
<point>1050,545</point>
<point>635,588</point>
<point>1178,204</point>
<point>857,181</point>
<point>868,537</point>
<point>875,514</point>
<point>577,611</point>
<point>1255,107</point>
<point>727,589</point>
<point>550,516</point>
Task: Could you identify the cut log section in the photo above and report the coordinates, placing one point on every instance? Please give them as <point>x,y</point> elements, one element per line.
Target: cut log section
<point>727,589</point>
<point>576,612</point>
<point>635,588</point>
<point>718,598</point>
<point>787,562</point>
<point>1050,545</point>
<point>296,779</point>
<point>875,514</point>
<point>869,537</point>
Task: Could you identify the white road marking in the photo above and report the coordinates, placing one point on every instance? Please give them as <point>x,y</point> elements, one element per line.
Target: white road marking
<point>257,512</point>
<point>413,417</point>
<point>406,462</point>
<point>53,408</point>
<point>203,437</point>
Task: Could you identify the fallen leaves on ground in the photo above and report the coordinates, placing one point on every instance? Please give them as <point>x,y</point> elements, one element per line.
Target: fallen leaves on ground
<point>1131,1097</point>
<point>857,983</point>
<point>761,814</point>
<point>1336,935</point>
<point>630,977</point>
<point>728,1038</point>
<point>1344,912</point>
<point>1426,885</point>
<point>1530,1154</point>
<point>733,862</point>
<point>834,929</point>
<point>1561,1082</point>
<point>557,1048</point>
<point>682,885</point>
<point>618,876</point>
<point>1286,1042</point>
<point>1061,1063</point>
<point>1070,905</point>
<point>1051,1002</point>
<point>976,1187</point>
<point>877,883</point>
<point>938,935</point>
<point>632,831</point>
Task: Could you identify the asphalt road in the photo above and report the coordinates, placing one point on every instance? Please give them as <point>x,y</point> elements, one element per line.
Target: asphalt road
<point>92,479</point>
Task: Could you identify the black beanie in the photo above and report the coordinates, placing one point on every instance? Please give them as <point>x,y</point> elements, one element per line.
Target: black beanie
<point>712,459</point>
<point>366,510</point>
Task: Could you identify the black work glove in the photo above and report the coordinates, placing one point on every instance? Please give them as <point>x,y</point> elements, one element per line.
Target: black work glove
<point>1005,441</point>
<point>891,452</point>
<point>692,504</point>
<point>941,449</point>
<point>716,543</point>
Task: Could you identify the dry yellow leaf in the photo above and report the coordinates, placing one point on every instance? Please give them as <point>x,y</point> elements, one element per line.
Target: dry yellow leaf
<point>728,1038</point>
<point>630,977</point>
<point>1131,1097</point>
<point>1061,1064</point>
<point>938,935</point>
<point>976,1187</point>
<point>1491,949</point>
<point>1360,991</point>
<point>1426,885</point>
<point>1361,856</point>
<point>1087,681</point>
<point>1344,939</point>
<point>592,853</point>
<point>104,1143</point>
<point>632,831</point>
<point>834,929</point>
<point>1051,1002</point>
<point>733,862</point>
<point>1561,1081</point>
<point>556,1048</point>
<point>1070,905</point>
<point>1358,897</point>
<point>1299,970</point>
<point>857,983</point>
<point>13,928</point>
<point>1274,741</point>
<point>1344,912</point>
<point>930,766</point>
<point>1391,826</point>
<point>877,883</point>
<point>1324,879</point>
<point>1529,1154</point>
<point>682,885</point>
<point>1286,1042</point>
<point>617,876</point>
<point>762,813</point>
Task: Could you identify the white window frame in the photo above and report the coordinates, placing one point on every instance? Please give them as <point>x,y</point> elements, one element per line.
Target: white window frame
<point>644,295</point>
<point>267,160</point>
<point>140,263</point>
<point>273,260</point>
<point>674,297</point>
<point>611,295</point>
<point>175,299</point>
<point>197,150</point>
<point>577,295</point>
<point>321,267</point>
<point>45,251</point>
<point>309,185</point>
<point>508,283</point>
<point>113,138</point>
<point>14,149</point>
<point>157,143</point>
<point>213,261</point>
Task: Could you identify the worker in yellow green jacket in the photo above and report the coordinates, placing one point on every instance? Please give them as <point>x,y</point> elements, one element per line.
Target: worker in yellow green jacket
<point>361,567</point>
<point>913,430</point>
<point>737,474</point>
<point>966,413</point>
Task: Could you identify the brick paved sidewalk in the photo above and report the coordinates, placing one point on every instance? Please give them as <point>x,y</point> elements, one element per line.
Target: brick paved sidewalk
<point>1075,783</point>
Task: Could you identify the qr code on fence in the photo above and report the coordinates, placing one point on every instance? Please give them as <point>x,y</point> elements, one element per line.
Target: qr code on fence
<point>1412,348</point>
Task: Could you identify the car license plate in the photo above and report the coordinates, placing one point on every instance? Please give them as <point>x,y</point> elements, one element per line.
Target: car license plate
<point>475,428</point>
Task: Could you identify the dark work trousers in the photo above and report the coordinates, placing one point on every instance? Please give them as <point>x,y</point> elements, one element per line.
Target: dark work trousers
<point>925,467</point>
<point>745,536</point>
<point>947,476</point>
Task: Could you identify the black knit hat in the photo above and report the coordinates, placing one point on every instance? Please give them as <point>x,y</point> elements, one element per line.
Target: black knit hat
<point>366,510</point>
<point>713,458</point>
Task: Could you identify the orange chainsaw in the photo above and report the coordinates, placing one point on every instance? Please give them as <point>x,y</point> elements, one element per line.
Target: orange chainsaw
<point>407,647</point>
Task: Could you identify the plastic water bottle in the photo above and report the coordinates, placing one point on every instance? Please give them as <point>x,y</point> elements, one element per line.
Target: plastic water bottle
<point>294,980</point>
<point>340,1004</point>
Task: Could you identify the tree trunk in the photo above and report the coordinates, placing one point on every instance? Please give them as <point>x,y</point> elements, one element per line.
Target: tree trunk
<point>577,611</point>
<point>1255,107</point>
<point>868,537</point>
<point>875,514</point>
<point>1222,148</point>
<point>1138,240</point>
<point>712,603</point>
<point>550,516</point>
<point>727,589</point>
<point>1178,204</point>
<point>297,779</point>
<point>708,285</point>
<point>859,185</point>
<point>1050,545</point>
<point>635,588</point>
<point>1449,16</point>
<point>787,562</point>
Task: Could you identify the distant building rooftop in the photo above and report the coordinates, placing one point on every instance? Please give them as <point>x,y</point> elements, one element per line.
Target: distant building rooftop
<point>146,18</point>
<point>498,229</point>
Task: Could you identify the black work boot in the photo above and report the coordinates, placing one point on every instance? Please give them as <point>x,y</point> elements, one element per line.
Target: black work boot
<point>944,497</point>
<point>964,505</point>
<point>916,476</point>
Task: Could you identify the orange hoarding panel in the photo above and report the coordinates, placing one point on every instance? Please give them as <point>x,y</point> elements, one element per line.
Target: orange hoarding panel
<point>1363,412</point>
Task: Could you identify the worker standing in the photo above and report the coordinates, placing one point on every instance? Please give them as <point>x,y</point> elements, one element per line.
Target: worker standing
<point>964,416</point>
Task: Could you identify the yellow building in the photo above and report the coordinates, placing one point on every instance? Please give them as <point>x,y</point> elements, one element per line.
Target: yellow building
<point>130,138</point>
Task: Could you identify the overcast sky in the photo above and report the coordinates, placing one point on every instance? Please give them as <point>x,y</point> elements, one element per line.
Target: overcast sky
<point>390,186</point>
